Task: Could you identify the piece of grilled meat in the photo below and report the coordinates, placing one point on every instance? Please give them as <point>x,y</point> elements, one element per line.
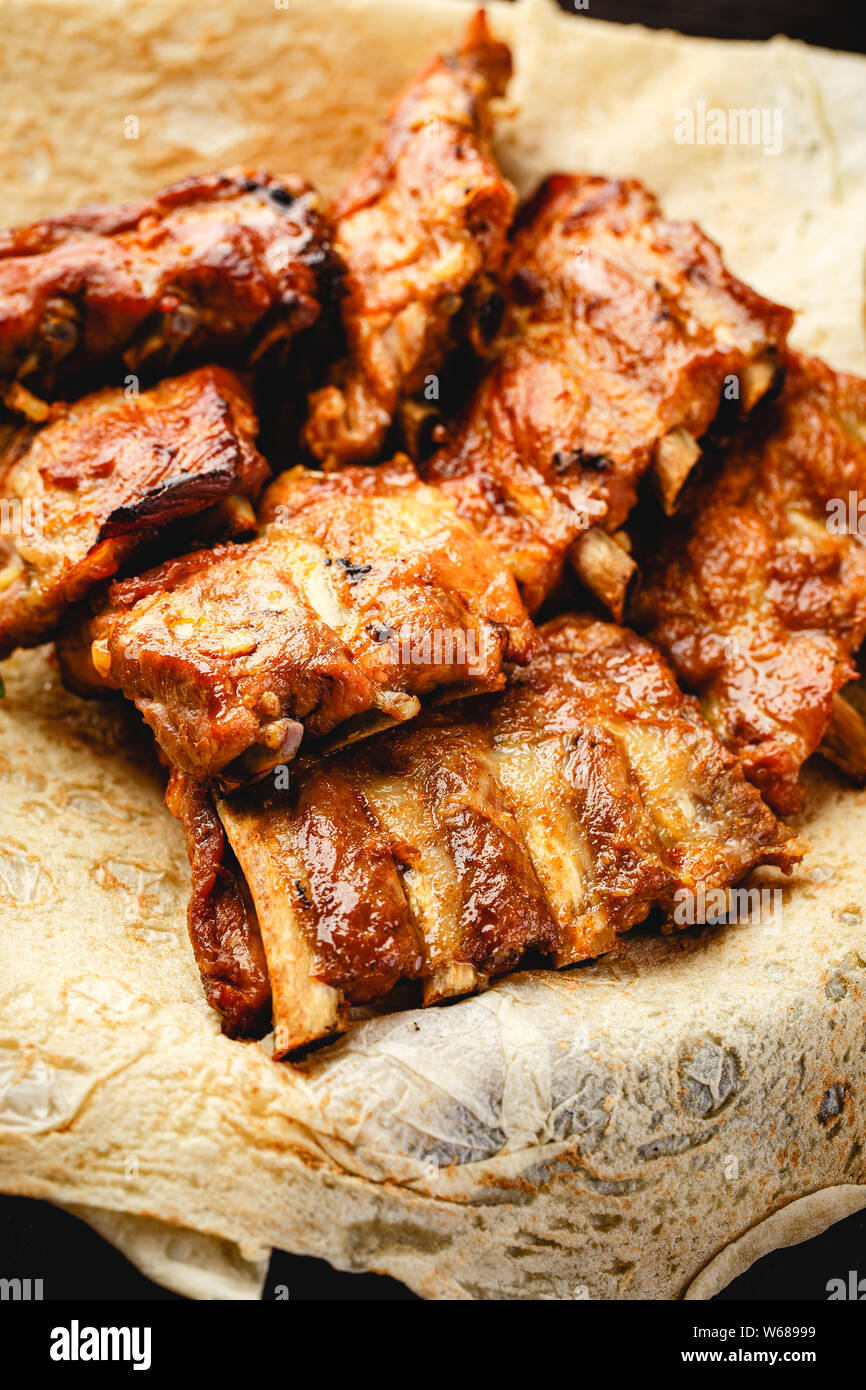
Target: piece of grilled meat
<point>621,333</point>
<point>411,574</point>
<point>365,591</point>
<point>221,267</point>
<point>758,592</point>
<point>79,496</point>
<point>554,815</point>
<point>423,216</point>
<point>223,927</point>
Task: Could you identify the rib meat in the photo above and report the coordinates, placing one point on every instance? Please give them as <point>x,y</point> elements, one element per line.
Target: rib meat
<point>621,331</point>
<point>365,591</point>
<point>553,816</point>
<point>221,267</point>
<point>223,926</point>
<point>424,215</point>
<point>79,496</point>
<point>758,592</point>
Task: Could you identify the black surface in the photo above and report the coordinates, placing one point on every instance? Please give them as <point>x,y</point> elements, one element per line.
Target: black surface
<point>803,1271</point>
<point>38,1241</point>
<point>833,25</point>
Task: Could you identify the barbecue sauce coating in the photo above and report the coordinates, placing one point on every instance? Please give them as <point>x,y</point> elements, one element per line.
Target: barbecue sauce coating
<point>220,267</point>
<point>409,567</point>
<point>423,217</point>
<point>553,816</point>
<point>619,327</point>
<point>223,927</point>
<point>224,658</point>
<point>756,597</point>
<point>107,473</point>
<point>338,872</point>
<point>365,591</point>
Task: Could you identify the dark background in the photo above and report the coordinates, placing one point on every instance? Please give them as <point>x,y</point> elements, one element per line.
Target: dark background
<point>40,1241</point>
<point>832,24</point>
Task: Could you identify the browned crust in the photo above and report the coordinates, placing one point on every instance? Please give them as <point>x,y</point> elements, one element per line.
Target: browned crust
<point>552,817</point>
<point>620,332</point>
<point>224,266</point>
<point>757,592</point>
<point>223,926</point>
<point>417,223</point>
<point>107,473</point>
<point>365,592</point>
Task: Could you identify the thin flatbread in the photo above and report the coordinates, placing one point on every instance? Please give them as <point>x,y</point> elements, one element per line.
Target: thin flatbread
<point>555,1137</point>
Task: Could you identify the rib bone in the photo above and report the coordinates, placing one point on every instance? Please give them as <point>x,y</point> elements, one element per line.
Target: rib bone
<point>675,458</point>
<point>605,567</point>
<point>758,377</point>
<point>453,980</point>
<point>844,743</point>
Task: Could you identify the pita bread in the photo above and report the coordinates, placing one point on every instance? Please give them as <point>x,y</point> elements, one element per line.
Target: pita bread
<point>606,1132</point>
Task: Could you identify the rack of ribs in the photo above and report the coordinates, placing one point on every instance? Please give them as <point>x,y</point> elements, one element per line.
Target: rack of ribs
<point>552,816</point>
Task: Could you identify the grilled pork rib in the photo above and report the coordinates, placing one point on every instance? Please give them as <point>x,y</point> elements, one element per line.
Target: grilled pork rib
<point>364,592</point>
<point>107,473</point>
<point>758,592</point>
<point>422,218</point>
<point>221,267</point>
<point>552,816</point>
<point>620,335</point>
